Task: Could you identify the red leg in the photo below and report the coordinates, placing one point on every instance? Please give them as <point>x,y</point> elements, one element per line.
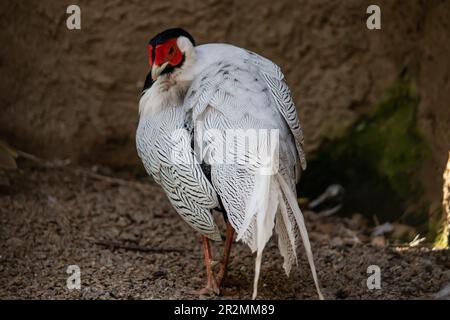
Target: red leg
<point>226,254</point>
<point>211,286</point>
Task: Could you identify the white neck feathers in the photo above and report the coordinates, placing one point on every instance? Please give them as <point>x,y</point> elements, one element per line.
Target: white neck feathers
<point>169,89</point>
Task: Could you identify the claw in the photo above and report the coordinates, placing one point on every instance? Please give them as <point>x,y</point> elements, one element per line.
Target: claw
<point>214,282</point>
<point>211,289</point>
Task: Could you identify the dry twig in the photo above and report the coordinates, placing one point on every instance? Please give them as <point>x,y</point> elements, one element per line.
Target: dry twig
<point>132,247</point>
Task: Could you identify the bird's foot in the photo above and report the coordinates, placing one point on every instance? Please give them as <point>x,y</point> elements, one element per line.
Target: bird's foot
<point>211,289</point>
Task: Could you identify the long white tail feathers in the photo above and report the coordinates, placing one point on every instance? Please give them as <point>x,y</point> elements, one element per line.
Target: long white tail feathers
<point>292,200</point>
<point>265,218</point>
<point>257,270</point>
<point>274,189</point>
<point>267,200</point>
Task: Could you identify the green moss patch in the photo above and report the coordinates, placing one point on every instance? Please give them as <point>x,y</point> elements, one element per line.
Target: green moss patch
<point>377,160</point>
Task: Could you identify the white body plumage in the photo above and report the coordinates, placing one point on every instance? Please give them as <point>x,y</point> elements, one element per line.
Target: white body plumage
<point>223,87</point>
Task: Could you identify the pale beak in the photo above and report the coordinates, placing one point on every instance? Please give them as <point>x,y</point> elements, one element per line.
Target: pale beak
<point>157,70</point>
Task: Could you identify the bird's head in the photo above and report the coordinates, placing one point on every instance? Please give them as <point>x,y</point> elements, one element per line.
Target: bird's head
<point>168,51</point>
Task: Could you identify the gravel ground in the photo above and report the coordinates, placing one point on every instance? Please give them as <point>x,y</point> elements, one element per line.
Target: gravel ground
<point>55,217</point>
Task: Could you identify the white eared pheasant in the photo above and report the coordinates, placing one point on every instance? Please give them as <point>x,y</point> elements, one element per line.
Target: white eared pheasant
<point>194,99</point>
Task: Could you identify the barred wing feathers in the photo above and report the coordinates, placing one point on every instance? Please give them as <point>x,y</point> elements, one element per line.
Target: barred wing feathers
<point>274,79</point>
<point>165,150</point>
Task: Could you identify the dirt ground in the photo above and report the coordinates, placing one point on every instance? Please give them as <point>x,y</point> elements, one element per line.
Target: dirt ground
<point>55,217</point>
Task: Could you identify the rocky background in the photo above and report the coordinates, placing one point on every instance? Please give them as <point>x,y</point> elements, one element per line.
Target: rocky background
<point>73,94</point>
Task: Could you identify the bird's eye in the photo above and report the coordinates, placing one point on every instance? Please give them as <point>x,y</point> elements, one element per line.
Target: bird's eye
<point>171,50</point>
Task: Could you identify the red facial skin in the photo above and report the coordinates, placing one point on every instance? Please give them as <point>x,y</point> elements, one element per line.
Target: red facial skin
<point>165,52</point>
